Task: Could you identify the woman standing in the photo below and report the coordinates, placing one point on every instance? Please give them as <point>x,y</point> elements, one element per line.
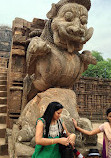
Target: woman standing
<point>106,129</point>
<point>48,131</point>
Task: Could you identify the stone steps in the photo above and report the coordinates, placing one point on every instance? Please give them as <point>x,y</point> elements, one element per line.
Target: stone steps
<point>2,130</point>
<point>3,70</point>
<point>3,82</point>
<point>3,87</point>
<point>3,118</point>
<point>3,74</point>
<point>3,77</point>
<point>3,100</point>
<point>3,112</point>
<point>3,93</point>
<point>2,141</point>
<point>3,147</point>
<point>3,108</point>
<point>5,156</point>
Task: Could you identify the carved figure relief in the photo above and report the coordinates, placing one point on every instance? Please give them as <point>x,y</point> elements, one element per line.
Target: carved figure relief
<point>53,59</point>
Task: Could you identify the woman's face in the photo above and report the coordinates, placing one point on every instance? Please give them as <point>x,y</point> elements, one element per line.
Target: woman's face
<point>57,114</point>
<point>109,117</point>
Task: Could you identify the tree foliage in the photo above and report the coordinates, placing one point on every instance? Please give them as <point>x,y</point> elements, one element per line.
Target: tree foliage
<point>102,69</point>
<point>97,55</point>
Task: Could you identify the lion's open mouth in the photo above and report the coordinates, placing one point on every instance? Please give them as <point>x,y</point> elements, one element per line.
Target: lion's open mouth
<point>70,42</point>
<point>70,45</point>
<point>64,34</point>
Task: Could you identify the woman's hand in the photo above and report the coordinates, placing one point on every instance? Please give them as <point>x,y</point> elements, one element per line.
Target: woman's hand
<point>75,122</point>
<point>64,141</point>
<point>71,138</point>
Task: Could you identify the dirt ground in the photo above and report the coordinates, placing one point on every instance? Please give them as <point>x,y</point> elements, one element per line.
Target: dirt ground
<point>100,135</point>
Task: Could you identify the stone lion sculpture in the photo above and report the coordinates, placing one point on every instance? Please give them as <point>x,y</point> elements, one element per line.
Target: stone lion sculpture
<point>54,64</point>
<point>53,59</point>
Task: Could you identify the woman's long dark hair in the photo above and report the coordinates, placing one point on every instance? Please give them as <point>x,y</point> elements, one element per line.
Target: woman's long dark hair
<point>48,114</point>
<point>108,111</point>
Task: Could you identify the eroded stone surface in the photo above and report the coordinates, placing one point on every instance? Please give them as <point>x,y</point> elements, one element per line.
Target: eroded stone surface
<point>53,59</point>
<point>36,107</point>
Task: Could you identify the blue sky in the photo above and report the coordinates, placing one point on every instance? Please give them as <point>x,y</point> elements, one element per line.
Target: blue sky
<point>99,19</point>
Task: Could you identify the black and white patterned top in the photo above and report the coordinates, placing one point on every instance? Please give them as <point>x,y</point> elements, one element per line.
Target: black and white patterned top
<point>54,130</point>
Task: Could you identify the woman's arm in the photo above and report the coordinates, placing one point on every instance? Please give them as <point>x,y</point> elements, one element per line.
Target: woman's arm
<point>46,141</point>
<point>71,136</point>
<point>95,131</point>
<point>67,133</point>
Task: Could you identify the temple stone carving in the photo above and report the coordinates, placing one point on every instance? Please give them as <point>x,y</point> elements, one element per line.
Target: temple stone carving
<point>53,59</point>
<point>54,64</point>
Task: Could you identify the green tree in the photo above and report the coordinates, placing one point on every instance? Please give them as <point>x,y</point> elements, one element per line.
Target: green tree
<point>97,55</point>
<point>102,69</point>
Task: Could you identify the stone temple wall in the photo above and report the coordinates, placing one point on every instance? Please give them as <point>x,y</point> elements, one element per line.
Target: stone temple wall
<point>22,31</point>
<point>93,97</point>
